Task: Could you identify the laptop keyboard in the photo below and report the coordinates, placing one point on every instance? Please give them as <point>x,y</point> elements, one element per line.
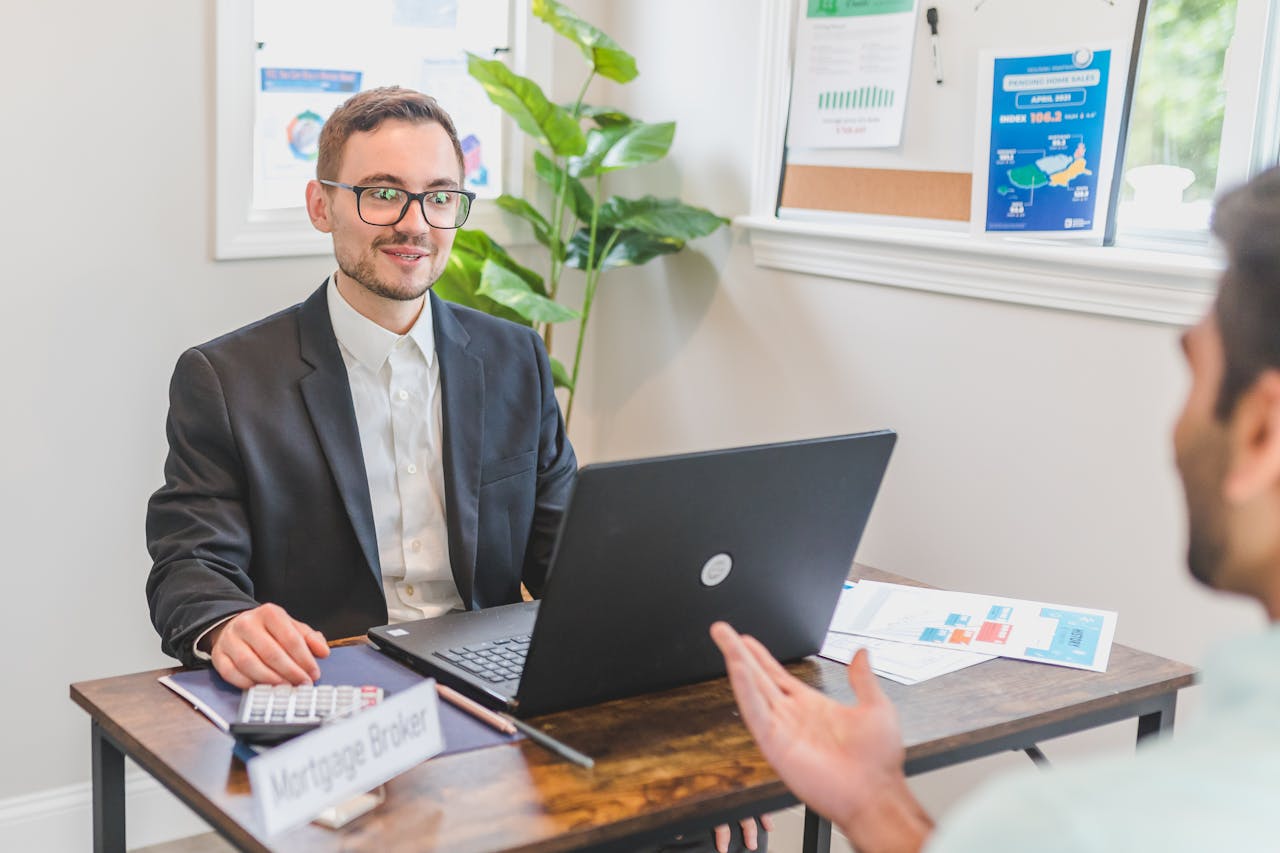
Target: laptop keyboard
<point>494,660</point>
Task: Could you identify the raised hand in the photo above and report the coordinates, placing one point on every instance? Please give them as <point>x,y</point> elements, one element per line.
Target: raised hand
<point>845,761</point>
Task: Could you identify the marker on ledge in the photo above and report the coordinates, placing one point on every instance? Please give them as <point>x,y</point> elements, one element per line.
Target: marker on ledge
<point>931,15</point>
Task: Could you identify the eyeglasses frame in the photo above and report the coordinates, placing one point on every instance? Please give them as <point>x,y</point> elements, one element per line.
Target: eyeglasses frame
<point>420,198</point>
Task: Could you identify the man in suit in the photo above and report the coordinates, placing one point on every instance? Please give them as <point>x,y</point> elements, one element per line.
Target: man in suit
<point>373,454</point>
<point>1212,787</point>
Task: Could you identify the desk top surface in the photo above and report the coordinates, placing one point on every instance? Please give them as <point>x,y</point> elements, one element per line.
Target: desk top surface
<point>661,759</point>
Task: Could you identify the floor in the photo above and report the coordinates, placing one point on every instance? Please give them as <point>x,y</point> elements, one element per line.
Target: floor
<point>209,842</point>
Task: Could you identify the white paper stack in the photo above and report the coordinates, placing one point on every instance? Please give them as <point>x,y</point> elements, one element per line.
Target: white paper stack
<point>905,663</point>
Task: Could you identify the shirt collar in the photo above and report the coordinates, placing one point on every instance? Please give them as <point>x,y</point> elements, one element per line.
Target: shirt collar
<point>370,343</point>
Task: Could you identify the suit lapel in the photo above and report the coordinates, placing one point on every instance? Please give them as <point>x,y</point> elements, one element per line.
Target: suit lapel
<point>327,394</point>
<point>462,405</point>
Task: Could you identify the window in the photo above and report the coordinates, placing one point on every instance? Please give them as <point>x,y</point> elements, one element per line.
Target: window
<point>1200,117</point>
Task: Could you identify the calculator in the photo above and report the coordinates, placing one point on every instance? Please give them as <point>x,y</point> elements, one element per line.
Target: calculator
<point>272,713</point>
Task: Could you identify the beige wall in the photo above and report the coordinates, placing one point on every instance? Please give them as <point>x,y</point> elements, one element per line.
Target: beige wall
<point>1033,457</point>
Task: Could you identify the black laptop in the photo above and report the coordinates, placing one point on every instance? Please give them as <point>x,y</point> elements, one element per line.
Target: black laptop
<point>650,553</point>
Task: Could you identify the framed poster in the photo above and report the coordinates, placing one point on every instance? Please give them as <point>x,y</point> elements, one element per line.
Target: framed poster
<point>1045,149</point>
<point>284,65</point>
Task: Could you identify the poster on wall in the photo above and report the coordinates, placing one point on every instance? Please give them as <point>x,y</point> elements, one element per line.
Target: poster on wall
<point>312,55</point>
<point>292,105</point>
<point>1046,142</point>
<point>852,69</point>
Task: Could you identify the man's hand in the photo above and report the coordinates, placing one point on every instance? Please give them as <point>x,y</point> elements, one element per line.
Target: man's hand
<point>266,645</point>
<point>750,833</point>
<point>844,761</point>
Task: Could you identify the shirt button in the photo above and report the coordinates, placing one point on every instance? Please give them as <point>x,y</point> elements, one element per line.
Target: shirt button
<point>400,343</point>
<point>403,395</point>
<point>415,546</point>
<point>411,468</point>
<point>408,589</point>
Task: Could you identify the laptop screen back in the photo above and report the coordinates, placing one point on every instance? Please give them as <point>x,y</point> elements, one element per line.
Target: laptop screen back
<point>652,552</point>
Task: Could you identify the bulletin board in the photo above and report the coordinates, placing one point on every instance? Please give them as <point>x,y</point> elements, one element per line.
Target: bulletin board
<point>928,178</point>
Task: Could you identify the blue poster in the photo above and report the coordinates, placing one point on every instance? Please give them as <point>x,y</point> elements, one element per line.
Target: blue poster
<point>1047,116</point>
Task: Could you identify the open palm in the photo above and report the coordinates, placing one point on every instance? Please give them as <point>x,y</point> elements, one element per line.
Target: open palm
<point>842,760</point>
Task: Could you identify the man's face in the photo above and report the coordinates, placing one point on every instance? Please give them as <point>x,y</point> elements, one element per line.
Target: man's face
<point>1203,455</point>
<point>399,261</point>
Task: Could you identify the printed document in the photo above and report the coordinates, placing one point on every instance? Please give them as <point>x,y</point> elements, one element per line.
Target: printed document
<point>1008,627</point>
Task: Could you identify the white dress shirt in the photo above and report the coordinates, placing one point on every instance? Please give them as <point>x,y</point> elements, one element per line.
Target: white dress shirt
<point>395,387</point>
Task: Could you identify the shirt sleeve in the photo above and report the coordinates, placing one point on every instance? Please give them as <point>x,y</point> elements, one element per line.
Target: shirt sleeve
<point>1021,811</point>
<point>196,651</point>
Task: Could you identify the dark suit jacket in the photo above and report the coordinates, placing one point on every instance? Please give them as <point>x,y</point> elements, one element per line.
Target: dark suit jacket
<point>266,499</point>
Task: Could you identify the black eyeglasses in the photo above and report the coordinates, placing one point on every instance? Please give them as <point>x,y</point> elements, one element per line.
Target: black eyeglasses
<point>388,205</point>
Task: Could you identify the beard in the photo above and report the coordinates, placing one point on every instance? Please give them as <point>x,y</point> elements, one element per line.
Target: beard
<point>1203,466</point>
<point>362,272</point>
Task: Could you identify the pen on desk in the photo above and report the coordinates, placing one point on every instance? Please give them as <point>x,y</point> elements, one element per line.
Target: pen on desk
<point>543,739</point>
<point>475,709</point>
<point>931,15</point>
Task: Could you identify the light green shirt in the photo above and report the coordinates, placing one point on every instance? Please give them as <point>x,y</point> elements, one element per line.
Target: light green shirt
<point>1214,786</point>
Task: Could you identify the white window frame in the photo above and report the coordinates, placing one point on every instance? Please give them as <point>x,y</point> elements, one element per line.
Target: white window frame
<point>240,231</point>
<point>1162,283</point>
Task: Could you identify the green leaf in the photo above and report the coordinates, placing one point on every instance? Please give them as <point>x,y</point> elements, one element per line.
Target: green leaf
<point>560,374</point>
<point>523,100</point>
<point>482,245</point>
<point>632,248</point>
<point>662,217</point>
<point>463,274</point>
<point>530,214</point>
<point>622,146</point>
<point>603,116</point>
<point>605,55</point>
<point>578,198</point>
<point>508,289</point>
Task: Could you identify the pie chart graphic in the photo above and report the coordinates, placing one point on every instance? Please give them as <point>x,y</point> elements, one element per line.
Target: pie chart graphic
<point>304,135</point>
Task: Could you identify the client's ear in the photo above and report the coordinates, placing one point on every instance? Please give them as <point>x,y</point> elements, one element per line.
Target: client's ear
<point>1254,432</point>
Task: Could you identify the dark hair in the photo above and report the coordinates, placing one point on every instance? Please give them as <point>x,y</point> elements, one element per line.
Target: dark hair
<point>1247,221</point>
<point>365,111</point>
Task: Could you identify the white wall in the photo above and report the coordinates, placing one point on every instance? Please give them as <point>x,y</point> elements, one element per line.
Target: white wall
<point>1033,457</point>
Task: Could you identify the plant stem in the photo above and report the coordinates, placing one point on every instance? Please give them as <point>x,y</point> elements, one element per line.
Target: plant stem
<point>593,279</point>
<point>557,225</point>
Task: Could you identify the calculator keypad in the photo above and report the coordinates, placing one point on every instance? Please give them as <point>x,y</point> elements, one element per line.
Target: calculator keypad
<point>272,710</point>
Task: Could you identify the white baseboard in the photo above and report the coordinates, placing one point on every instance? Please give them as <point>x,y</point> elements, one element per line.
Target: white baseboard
<point>60,820</point>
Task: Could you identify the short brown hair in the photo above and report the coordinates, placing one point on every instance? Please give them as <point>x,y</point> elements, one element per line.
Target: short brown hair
<point>1247,221</point>
<point>365,111</point>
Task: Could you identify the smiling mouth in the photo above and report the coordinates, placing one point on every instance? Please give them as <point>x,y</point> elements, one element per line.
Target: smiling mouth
<point>407,255</point>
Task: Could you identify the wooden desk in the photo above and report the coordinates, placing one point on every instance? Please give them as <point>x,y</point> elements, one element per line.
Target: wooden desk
<point>666,763</point>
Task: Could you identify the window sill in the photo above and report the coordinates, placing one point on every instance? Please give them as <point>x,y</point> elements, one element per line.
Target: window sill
<point>1137,284</point>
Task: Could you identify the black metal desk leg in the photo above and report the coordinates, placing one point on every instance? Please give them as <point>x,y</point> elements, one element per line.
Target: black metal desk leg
<point>1160,721</point>
<point>108,793</point>
<point>817,832</point>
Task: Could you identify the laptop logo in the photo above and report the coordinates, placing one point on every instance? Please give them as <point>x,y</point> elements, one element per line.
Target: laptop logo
<point>715,570</point>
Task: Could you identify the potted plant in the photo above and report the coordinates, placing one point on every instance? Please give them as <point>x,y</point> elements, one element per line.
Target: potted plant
<point>579,224</point>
